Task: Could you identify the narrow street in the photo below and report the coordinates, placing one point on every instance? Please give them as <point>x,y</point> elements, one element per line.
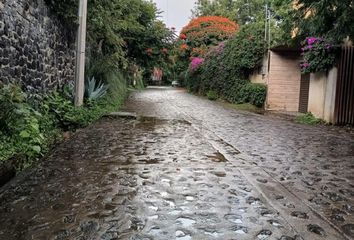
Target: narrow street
<point>187,168</point>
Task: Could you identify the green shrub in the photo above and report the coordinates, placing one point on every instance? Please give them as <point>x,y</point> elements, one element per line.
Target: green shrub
<point>11,101</point>
<point>21,133</point>
<point>27,132</point>
<point>258,93</point>
<point>117,90</point>
<point>212,95</point>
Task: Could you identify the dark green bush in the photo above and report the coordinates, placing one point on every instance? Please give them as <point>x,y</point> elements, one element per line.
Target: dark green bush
<point>254,93</point>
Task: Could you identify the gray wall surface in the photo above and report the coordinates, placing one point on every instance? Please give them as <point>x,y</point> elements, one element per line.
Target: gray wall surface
<point>36,49</point>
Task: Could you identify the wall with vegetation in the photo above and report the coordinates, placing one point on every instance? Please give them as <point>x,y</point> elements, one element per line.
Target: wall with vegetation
<point>36,50</point>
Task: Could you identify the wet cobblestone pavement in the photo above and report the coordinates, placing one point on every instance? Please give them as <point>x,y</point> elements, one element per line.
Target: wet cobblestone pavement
<point>189,169</point>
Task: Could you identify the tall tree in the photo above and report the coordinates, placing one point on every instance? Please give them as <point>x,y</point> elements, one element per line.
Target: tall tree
<point>241,11</point>
<point>252,11</point>
<point>119,32</point>
<point>327,18</point>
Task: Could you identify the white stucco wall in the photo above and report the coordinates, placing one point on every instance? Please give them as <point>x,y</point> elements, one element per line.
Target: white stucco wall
<point>322,94</point>
<point>317,94</point>
<point>330,100</point>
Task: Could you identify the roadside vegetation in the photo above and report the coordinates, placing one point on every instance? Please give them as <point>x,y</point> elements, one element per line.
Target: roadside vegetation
<point>31,126</point>
<point>125,41</point>
<point>308,119</point>
<point>225,43</point>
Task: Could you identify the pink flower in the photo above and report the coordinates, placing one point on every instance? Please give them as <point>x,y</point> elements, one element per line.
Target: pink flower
<point>311,40</point>
<point>196,62</point>
<point>305,65</point>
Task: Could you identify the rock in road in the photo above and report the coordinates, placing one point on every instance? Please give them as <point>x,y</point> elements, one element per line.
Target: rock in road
<point>187,168</point>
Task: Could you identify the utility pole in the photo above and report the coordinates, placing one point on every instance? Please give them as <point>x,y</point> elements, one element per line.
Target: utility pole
<point>80,54</point>
<point>267,34</point>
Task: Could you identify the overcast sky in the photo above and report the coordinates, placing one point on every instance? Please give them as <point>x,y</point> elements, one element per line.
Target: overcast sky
<point>176,13</point>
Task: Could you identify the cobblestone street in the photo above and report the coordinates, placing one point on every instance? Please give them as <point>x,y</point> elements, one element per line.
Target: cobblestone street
<point>187,168</point>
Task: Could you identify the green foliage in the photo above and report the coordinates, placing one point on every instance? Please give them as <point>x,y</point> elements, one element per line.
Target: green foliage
<point>27,133</point>
<point>245,51</point>
<point>212,95</point>
<point>117,90</point>
<point>119,32</point>
<point>94,90</point>
<point>308,119</point>
<point>65,9</point>
<point>253,11</point>
<point>254,93</point>
<point>20,131</point>
<point>11,100</point>
<point>242,11</point>
<point>333,19</point>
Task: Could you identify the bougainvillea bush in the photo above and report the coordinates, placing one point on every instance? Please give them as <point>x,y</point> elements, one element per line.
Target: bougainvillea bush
<point>318,55</point>
<point>208,30</point>
<point>196,62</point>
<point>226,67</point>
<point>201,34</point>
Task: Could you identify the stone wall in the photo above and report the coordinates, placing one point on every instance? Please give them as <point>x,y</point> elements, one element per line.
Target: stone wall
<point>36,49</point>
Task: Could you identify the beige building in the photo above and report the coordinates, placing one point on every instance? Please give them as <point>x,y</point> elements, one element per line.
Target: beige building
<point>327,95</point>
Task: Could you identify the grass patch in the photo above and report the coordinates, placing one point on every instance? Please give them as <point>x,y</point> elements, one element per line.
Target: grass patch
<point>308,119</point>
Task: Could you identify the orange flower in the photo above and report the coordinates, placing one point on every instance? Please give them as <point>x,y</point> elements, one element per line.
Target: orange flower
<point>184,47</point>
<point>183,36</point>
<point>202,28</point>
